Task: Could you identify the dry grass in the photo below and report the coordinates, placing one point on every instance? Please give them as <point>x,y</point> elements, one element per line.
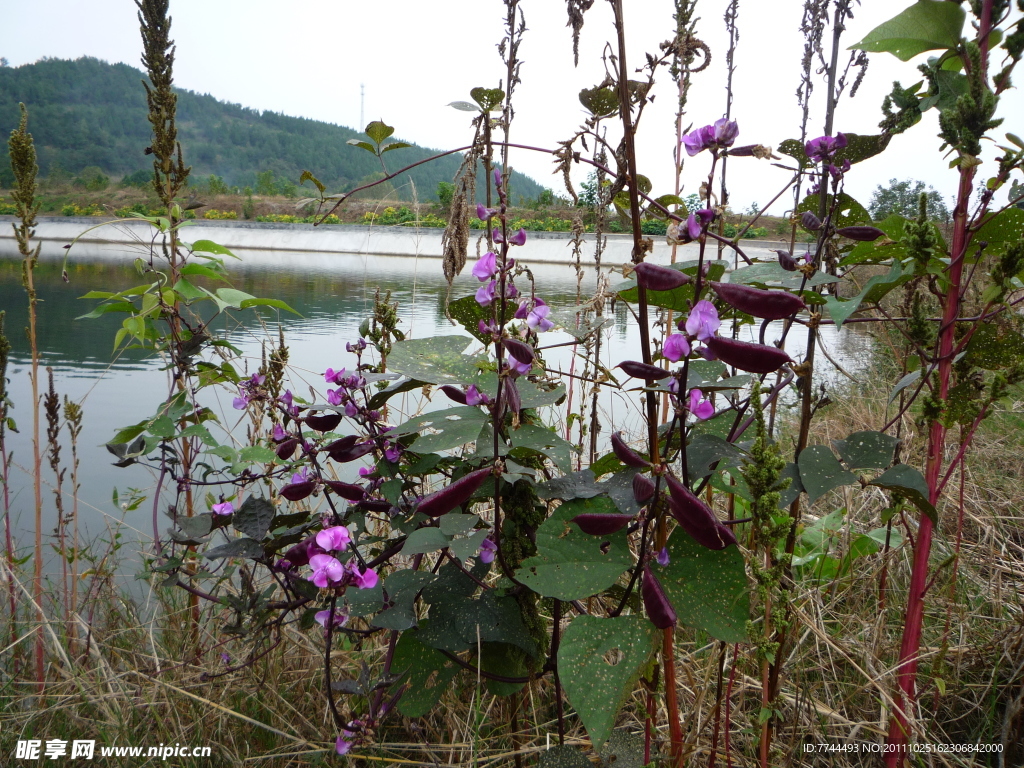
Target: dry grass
<point>139,682</point>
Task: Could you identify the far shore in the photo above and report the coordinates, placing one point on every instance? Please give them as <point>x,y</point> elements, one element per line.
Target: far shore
<point>548,247</point>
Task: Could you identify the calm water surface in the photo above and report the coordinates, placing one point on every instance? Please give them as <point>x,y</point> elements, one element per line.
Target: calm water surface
<point>332,292</point>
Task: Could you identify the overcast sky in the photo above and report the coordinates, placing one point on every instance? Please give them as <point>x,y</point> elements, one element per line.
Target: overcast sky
<point>308,58</point>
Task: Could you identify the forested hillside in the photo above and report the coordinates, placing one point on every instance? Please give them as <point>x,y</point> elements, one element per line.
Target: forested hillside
<point>88,113</point>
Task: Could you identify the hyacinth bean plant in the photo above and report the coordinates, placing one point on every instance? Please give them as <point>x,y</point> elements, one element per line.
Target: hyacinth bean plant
<point>476,541</point>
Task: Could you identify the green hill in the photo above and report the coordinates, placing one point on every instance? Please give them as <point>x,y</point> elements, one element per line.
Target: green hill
<point>88,113</point>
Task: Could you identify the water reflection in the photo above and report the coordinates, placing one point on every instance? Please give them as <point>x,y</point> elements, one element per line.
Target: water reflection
<point>331,293</point>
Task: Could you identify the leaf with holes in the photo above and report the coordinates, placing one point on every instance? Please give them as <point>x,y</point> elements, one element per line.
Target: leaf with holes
<point>439,360</point>
<point>911,483</point>
<point>427,674</point>
<point>867,450</point>
<point>927,25</point>
<point>468,313</point>
<point>571,564</point>
<point>848,211</point>
<point>600,102</point>
<point>820,472</point>
<point>993,347</point>
<point>605,658</point>
<point>624,750</point>
<point>707,588</point>
<point>487,98</point>
<point>563,756</point>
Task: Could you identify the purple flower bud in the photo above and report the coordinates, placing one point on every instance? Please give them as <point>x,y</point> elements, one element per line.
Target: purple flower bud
<point>520,369</point>
<point>240,403</point>
<point>519,238</point>
<point>693,228</point>
<point>497,236</point>
<point>483,213</point>
<point>662,557</point>
<point>487,551</point>
<point>475,397</point>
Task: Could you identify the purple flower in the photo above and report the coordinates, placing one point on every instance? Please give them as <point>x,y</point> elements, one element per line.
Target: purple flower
<point>497,236</point>
<point>676,347</point>
<point>824,147</point>
<point>726,132</point>
<point>475,397</point>
<point>334,396</point>
<point>240,403</point>
<point>702,409</point>
<point>510,290</point>
<point>256,380</point>
<point>487,551</point>
<point>393,452</point>
<point>359,346</point>
<point>226,658</point>
<point>662,557</point>
<point>520,368</point>
<point>334,539</point>
<point>538,317</point>
<point>334,377</point>
<point>327,571</point>
<point>705,216</point>
<point>524,309</point>
<point>485,267</point>
<point>484,213</point>
<point>365,579</point>
<point>279,434</point>
<point>519,238</point>
<point>485,294</point>
<point>302,476</point>
<point>224,508</point>
<point>341,746</point>
<point>693,227</point>
<point>364,471</point>
<point>322,617</point>
<point>698,140</point>
<point>703,320</point>
<point>351,410</point>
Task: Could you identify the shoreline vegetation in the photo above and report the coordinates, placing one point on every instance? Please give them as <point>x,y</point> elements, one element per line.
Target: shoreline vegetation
<point>126,202</point>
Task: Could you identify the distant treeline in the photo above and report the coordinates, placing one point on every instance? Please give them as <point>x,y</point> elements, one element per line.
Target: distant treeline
<point>88,114</point>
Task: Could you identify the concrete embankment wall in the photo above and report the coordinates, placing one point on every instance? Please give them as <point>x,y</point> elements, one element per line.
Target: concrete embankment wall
<point>546,247</point>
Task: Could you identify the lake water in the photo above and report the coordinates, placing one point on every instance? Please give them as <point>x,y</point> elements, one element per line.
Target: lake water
<point>332,292</point>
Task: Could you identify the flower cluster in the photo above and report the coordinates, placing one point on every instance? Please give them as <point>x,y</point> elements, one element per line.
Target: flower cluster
<point>247,390</point>
<point>824,150</point>
<point>714,137</point>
